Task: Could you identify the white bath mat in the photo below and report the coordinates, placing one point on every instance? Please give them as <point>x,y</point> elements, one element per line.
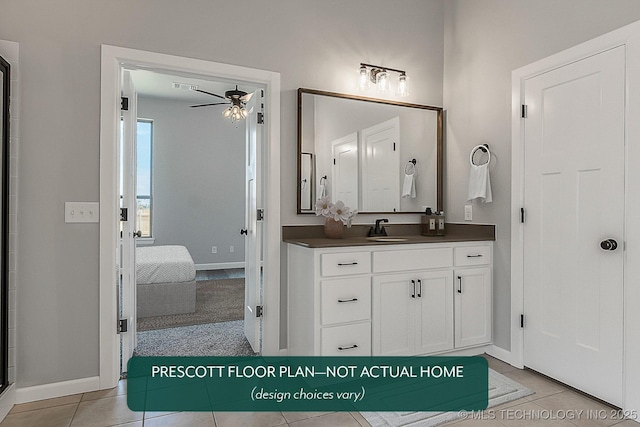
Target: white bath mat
<point>501,390</point>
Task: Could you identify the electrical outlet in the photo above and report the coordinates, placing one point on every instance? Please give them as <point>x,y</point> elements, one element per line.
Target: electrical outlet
<point>232,249</point>
<point>468,212</point>
<point>214,249</point>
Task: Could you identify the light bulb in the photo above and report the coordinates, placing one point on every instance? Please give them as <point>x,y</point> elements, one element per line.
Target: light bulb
<point>383,81</point>
<point>402,85</point>
<point>364,78</point>
<point>227,112</point>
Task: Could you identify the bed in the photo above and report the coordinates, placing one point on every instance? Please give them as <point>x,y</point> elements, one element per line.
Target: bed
<point>165,281</point>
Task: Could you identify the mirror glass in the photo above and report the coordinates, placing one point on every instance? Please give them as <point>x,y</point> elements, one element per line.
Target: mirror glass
<point>376,156</point>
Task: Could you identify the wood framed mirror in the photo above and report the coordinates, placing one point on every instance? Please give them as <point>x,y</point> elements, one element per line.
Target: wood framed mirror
<point>4,227</point>
<point>375,155</point>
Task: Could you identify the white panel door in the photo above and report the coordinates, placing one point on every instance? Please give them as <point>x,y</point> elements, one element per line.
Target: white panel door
<point>253,227</point>
<point>345,170</point>
<point>381,167</point>
<point>574,200</point>
<point>129,201</point>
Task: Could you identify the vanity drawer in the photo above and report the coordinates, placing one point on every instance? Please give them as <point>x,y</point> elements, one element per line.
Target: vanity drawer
<point>347,340</point>
<point>340,264</point>
<point>472,255</point>
<point>345,300</point>
<point>412,259</point>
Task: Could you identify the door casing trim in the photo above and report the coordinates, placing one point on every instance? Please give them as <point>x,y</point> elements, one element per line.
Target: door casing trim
<point>112,60</point>
<point>629,38</point>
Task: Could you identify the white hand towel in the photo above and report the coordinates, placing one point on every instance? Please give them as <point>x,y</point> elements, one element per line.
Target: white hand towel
<point>323,191</point>
<point>409,186</point>
<point>480,184</point>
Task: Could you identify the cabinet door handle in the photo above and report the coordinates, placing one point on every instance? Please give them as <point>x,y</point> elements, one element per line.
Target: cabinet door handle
<point>342,264</point>
<point>459,284</point>
<point>419,288</point>
<point>413,282</point>
<point>474,256</point>
<point>348,300</point>
<point>351,347</point>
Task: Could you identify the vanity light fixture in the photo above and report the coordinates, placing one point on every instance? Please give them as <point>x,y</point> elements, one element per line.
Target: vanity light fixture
<point>379,76</point>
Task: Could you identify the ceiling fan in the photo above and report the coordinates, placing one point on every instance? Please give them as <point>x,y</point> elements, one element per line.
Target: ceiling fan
<point>235,99</point>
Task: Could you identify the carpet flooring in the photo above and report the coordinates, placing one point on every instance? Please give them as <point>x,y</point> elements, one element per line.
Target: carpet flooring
<point>220,300</point>
<point>211,339</point>
<point>501,390</point>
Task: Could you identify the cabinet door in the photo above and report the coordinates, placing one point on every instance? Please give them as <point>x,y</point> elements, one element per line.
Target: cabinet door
<point>434,332</point>
<point>394,306</point>
<point>473,300</point>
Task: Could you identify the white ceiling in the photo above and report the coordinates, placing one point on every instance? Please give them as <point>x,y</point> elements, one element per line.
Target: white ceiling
<point>159,84</point>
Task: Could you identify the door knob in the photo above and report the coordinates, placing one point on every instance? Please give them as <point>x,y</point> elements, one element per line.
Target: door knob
<point>243,231</point>
<point>137,233</point>
<point>609,245</point>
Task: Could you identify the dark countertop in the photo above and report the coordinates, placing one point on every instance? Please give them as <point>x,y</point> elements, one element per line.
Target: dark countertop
<point>312,236</point>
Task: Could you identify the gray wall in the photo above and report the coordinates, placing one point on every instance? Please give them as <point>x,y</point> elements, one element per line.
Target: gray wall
<point>198,179</point>
<point>484,41</point>
<point>312,43</point>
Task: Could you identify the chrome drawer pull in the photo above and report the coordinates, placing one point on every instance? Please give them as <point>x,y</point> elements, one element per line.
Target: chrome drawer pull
<point>474,256</point>
<point>342,264</point>
<point>348,300</point>
<point>348,348</point>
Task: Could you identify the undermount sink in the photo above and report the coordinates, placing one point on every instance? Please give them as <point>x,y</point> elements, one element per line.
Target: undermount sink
<point>387,239</point>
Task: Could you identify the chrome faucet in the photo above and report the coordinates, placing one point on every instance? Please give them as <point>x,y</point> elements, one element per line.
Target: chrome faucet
<point>378,230</point>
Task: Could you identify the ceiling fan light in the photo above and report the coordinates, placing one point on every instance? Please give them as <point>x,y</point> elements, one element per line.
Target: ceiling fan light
<point>227,112</point>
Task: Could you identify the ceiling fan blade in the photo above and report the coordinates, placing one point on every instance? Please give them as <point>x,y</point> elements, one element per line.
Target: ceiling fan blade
<point>209,93</point>
<point>246,97</point>
<point>207,105</point>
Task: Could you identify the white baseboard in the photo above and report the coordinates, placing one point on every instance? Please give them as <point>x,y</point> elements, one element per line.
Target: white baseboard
<point>220,265</point>
<point>501,354</point>
<point>63,388</point>
<point>7,400</point>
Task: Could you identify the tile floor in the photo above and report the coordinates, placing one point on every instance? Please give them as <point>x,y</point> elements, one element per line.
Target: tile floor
<point>108,408</point>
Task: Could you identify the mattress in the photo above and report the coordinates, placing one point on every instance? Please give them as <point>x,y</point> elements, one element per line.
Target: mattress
<point>164,264</point>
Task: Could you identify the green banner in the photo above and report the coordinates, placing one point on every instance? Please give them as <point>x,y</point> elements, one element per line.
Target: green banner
<point>307,383</point>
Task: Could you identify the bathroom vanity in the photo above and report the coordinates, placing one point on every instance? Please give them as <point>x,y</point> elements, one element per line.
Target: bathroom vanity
<point>423,295</point>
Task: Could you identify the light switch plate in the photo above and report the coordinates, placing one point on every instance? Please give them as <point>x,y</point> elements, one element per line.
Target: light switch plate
<point>81,212</point>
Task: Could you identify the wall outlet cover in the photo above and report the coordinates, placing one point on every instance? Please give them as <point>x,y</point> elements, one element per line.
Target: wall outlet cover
<point>468,212</point>
<point>81,212</point>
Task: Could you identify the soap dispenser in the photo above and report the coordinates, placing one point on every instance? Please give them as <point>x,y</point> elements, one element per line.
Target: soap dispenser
<point>429,223</point>
<point>440,224</point>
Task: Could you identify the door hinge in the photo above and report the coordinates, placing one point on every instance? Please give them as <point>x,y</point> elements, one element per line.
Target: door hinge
<point>523,112</point>
<point>259,311</point>
<point>123,325</point>
<point>260,215</point>
<point>260,118</point>
<point>124,214</point>
<point>522,215</point>
<point>124,103</point>
<point>522,320</point>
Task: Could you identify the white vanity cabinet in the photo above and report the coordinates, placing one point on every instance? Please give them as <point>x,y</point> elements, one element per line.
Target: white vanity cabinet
<point>389,300</point>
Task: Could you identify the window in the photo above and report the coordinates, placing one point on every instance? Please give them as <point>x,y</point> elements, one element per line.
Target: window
<point>143,169</point>
<point>144,198</point>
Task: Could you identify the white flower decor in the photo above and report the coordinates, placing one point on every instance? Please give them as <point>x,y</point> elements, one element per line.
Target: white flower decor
<point>337,211</point>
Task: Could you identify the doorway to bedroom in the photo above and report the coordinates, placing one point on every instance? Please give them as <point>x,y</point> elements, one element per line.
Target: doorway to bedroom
<point>189,171</point>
